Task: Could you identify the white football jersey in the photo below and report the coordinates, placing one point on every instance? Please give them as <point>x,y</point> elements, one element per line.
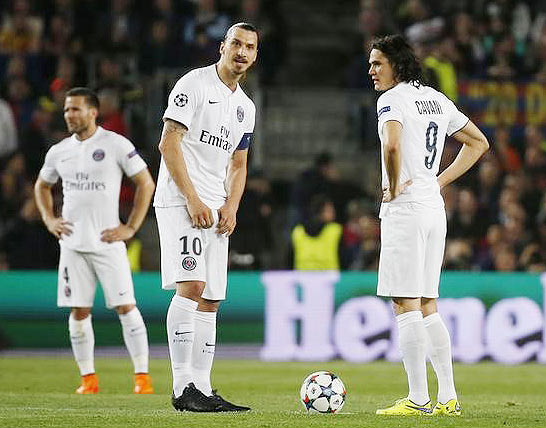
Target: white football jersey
<point>219,122</point>
<point>91,172</point>
<point>427,116</point>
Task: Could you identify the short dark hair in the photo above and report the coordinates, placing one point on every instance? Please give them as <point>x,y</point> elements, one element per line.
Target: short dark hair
<point>91,98</point>
<point>243,25</point>
<point>404,62</point>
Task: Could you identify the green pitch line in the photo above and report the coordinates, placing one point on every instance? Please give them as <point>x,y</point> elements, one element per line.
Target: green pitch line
<point>38,392</point>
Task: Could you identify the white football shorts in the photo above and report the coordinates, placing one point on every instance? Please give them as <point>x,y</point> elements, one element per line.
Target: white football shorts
<point>79,272</point>
<point>412,250</point>
<point>191,254</point>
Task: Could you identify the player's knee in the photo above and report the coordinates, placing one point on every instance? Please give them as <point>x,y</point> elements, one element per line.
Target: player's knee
<point>206,305</point>
<point>80,313</point>
<point>190,289</point>
<point>124,309</point>
<point>428,306</point>
<point>404,304</point>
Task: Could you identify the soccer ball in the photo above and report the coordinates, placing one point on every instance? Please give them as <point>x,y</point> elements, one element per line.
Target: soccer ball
<point>322,392</point>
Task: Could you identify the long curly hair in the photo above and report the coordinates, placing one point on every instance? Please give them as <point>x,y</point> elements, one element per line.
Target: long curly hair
<point>404,62</point>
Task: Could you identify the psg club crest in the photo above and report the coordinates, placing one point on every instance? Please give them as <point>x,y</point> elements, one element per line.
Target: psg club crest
<point>67,291</point>
<point>189,263</point>
<point>181,100</point>
<point>240,114</point>
<point>98,155</point>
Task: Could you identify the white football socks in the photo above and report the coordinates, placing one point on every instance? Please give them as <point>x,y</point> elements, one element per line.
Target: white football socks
<point>136,339</point>
<point>180,332</point>
<point>412,336</point>
<point>82,339</point>
<point>439,349</point>
<point>203,350</point>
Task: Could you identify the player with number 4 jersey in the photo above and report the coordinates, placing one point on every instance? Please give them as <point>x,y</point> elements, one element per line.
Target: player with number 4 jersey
<point>413,122</point>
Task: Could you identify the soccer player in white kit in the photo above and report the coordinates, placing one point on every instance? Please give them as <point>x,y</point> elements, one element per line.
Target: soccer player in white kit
<point>413,122</point>
<point>208,125</point>
<point>91,164</point>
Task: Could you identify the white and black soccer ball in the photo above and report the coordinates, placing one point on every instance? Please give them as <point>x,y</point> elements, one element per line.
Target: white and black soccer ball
<point>322,392</point>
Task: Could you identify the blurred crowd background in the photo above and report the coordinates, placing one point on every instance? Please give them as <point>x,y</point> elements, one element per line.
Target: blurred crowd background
<point>314,162</point>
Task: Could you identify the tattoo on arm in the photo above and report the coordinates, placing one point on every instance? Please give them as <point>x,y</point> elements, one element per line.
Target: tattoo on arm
<point>173,127</point>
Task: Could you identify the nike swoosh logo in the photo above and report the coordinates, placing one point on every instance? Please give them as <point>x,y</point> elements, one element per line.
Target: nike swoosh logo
<point>182,332</point>
<point>213,102</point>
<point>209,344</point>
<point>67,159</point>
<point>422,409</point>
<point>122,293</point>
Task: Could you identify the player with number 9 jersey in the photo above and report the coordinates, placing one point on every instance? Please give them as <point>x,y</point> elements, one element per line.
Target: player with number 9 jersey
<point>413,122</point>
<point>426,116</point>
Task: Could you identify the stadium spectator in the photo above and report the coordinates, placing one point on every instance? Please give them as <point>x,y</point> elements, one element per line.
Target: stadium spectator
<point>8,131</point>
<point>470,52</point>
<point>316,241</point>
<point>15,187</point>
<point>20,32</point>
<point>489,187</point>
<point>458,255</point>
<point>59,37</point>
<point>507,154</point>
<point>367,256</point>
<point>110,115</point>
<point>467,221</point>
<point>251,243</point>
<point>120,27</point>
<point>439,66</point>
<point>37,137</point>
<point>505,259</point>
<point>266,15</point>
<point>24,232</point>
<point>203,31</point>
<point>157,52</point>
<point>320,179</point>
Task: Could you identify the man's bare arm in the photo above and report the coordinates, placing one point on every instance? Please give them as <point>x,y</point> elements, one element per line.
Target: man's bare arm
<point>44,200</point>
<point>170,149</point>
<point>236,181</point>
<point>393,159</point>
<point>475,144</point>
<point>143,195</point>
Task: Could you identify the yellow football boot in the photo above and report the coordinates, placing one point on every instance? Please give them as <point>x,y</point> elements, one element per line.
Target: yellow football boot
<point>406,407</point>
<point>451,408</point>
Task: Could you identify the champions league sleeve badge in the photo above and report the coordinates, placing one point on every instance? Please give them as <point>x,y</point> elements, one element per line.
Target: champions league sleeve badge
<point>181,100</point>
<point>240,114</point>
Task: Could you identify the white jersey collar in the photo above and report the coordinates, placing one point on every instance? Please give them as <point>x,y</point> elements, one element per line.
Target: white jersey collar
<point>92,138</point>
<point>218,81</point>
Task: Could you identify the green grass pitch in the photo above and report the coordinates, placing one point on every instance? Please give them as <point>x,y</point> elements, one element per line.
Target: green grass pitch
<point>38,392</point>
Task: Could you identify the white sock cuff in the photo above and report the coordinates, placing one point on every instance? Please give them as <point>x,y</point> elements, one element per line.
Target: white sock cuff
<point>131,317</point>
<point>432,319</point>
<point>184,303</point>
<point>409,317</point>
<point>206,317</point>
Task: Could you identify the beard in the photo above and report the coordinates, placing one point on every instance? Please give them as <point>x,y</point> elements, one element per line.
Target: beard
<point>77,128</point>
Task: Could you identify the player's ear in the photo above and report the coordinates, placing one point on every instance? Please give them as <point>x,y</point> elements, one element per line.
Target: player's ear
<point>222,45</point>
